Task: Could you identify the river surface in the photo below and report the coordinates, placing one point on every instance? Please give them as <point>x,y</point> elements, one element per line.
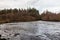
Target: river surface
<point>37,30</point>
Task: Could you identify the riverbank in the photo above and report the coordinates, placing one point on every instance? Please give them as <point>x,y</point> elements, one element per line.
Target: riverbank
<point>27,15</point>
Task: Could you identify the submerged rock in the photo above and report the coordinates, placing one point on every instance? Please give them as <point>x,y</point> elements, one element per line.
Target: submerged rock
<point>2,38</point>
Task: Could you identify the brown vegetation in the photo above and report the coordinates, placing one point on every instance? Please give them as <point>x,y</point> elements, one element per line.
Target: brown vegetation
<point>24,15</point>
<point>49,16</point>
<point>18,15</point>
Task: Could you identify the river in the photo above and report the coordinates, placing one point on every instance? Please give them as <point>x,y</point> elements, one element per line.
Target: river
<point>37,30</point>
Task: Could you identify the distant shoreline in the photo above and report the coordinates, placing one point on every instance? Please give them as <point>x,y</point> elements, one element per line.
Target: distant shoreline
<point>31,21</point>
<point>27,15</point>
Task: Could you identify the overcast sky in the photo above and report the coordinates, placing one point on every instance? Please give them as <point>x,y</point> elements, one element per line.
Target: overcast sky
<point>41,5</point>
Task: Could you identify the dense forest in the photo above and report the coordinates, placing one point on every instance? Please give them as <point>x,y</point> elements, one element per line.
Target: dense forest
<point>24,15</point>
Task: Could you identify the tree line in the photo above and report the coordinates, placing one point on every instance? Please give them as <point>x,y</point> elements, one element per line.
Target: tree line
<point>23,15</point>
<point>18,15</point>
<point>50,16</point>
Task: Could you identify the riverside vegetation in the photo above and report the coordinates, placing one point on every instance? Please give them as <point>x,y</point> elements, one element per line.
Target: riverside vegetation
<point>24,15</point>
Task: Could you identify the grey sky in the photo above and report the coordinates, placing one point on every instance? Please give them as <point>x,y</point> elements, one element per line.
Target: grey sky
<point>51,5</point>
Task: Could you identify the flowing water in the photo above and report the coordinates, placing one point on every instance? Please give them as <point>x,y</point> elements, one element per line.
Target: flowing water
<point>37,30</point>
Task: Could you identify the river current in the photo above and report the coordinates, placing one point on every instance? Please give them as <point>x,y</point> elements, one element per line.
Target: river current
<point>37,30</point>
